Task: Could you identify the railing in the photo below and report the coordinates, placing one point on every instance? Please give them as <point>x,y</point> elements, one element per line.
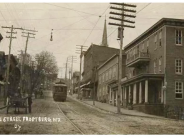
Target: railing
<point>137,56</point>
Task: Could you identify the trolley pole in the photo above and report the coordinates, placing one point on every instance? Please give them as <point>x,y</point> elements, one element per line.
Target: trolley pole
<point>121,31</point>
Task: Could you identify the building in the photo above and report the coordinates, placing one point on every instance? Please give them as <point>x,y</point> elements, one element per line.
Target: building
<point>108,77</point>
<point>76,77</point>
<point>154,68</point>
<point>93,58</point>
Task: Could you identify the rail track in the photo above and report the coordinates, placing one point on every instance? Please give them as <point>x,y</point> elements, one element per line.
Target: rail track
<point>83,117</point>
<point>81,132</point>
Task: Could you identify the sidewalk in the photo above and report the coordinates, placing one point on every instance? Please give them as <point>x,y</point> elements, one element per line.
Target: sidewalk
<point>113,109</point>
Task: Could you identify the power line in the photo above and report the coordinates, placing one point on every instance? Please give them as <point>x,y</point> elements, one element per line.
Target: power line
<point>72,9</point>
<point>135,14</point>
<point>91,31</point>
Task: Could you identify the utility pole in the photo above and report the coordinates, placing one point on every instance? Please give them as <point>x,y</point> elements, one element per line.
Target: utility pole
<point>66,69</point>
<point>24,55</point>
<point>72,58</point>
<point>122,8</point>
<point>8,67</point>
<point>80,49</point>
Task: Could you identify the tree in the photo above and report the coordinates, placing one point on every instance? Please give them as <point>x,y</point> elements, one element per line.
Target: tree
<point>45,65</point>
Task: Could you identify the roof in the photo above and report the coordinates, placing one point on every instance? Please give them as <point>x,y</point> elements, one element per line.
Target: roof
<point>94,45</point>
<point>155,26</point>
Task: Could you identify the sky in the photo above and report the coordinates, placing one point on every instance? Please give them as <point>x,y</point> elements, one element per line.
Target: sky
<point>74,24</point>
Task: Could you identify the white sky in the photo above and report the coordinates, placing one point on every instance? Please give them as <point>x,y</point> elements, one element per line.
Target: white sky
<point>72,27</point>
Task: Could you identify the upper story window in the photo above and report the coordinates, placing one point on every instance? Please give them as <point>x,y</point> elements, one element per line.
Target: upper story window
<point>109,73</point>
<point>155,41</point>
<point>142,46</point>
<point>114,71</point>
<point>107,76</point>
<point>178,66</point>
<point>155,66</point>
<point>160,64</point>
<point>160,38</point>
<point>178,90</point>
<point>147,42</point>
<point>99,79</point>
<point>178,37</point>
<point>102,77</point>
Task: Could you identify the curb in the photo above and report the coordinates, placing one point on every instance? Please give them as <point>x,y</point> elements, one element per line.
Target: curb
<point>162,118</point>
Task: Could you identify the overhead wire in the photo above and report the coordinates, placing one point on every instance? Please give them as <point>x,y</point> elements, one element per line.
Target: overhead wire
<point>135,14</point>
<point>72,9</point>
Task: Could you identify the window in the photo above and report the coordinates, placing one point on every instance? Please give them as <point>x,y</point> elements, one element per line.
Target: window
<point>142,46</point>
<point>99,79</point>
<point>107,75</point>
<point>148,42</point>
<point>179,90</point>
<point>178,37</point>
<point>114,72</point>
<point>155,66</point>
<point>160,38</point>
<point>178,66</point>
<point>160,63</point>
<point>155,41</point>
<point>103,77</point>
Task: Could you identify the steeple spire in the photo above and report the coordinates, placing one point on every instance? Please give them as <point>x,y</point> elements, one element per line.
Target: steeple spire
<point>104,37</point>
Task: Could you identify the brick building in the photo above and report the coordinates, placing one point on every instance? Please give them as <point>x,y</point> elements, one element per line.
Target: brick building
<point>108,77</point>
<point>154,68</point>
<point>94,57</point>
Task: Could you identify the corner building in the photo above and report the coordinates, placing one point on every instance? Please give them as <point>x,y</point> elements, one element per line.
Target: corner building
<point>154,68</point>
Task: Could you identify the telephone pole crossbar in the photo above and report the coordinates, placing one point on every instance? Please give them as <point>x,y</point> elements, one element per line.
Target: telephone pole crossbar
<point>121,17</point>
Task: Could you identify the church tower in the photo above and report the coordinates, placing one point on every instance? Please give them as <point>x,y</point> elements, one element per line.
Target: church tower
<point>104,37</point>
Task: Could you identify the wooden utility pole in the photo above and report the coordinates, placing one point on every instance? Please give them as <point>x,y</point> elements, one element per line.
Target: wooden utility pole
<point>80,49</point>
<point>24,56</point>
<point>121,26</point>
<point>8,66</point>
<point>66,69</point>
<point>72,58</point>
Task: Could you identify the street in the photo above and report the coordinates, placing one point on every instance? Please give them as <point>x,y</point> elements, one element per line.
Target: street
<point>72,117</point>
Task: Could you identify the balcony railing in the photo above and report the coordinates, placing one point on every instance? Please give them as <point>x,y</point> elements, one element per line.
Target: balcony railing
<point>141,56</point>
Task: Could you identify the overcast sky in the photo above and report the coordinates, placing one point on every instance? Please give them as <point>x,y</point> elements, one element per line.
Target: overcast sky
<point>74,24</point>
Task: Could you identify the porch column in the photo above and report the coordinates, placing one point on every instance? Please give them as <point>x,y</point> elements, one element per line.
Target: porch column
<point>125,96</point>
<point>135,93</point>
<point>146,91</point>
<point>110,95</point>
<point>162,93</point>
<point>121,95</point>
<point>140,92</point>
<point>116,97</point>
<point>129,93</point>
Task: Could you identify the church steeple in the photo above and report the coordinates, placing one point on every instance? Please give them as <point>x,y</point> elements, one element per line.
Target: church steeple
<point>104,37</point>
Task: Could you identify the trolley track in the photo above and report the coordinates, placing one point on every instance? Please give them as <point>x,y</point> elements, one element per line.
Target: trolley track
<point>81,132</point>
<point>94,127</point>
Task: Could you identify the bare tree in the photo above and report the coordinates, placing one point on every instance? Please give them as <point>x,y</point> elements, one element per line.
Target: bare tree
<point>45,65</point>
